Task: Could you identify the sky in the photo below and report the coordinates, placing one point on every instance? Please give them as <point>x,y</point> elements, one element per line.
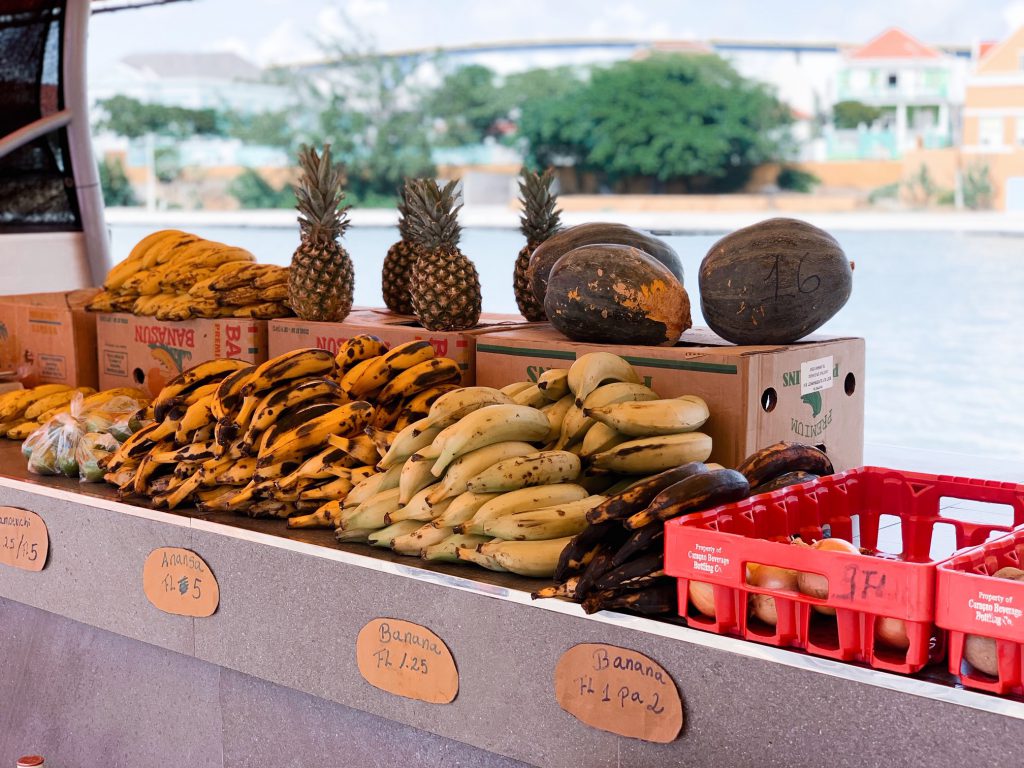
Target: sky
<point>285,31</point>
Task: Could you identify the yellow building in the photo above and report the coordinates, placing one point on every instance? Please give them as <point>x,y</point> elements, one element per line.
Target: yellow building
<point>993,130</point>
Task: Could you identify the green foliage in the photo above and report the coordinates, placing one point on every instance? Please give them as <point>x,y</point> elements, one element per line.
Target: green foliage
<point>133,119</point>
<point>468,103</point>
<point>253,191</point>
<point>977,187</point>
<point>919,187</point>
<point>797,180</point>
<point>117,190</point>
<point>945,197</point>
<point>669,117</point>
<point>268,129</point>
<point>850,114</point>
<point>167,163</point>
<point>884,192</point>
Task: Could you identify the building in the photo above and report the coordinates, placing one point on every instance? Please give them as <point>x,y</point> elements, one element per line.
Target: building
<point>918,88</point>
<point>993,134</point>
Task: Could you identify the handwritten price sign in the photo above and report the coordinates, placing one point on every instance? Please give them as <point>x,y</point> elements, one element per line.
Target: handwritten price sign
<point>407,660</point>
<point>620,691</point>
<point>24,541</point>
<point>179,581</point>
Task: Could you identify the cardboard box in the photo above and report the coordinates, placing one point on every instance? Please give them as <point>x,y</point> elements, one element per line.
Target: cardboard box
<point>48,338</point>
<point>811,391</point>
<point>146,352</point>
<point>291,333</point>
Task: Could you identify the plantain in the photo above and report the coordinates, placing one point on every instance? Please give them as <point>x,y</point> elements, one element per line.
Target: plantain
<point>701,491</point>
<point>636,498</point>
<point>782,458</point>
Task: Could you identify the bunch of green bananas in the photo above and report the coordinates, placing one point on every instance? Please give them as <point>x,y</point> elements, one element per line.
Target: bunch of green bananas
<point>504,478</point>
<point>617,561</point>
<point>172,275</point>
<point>280,438</point>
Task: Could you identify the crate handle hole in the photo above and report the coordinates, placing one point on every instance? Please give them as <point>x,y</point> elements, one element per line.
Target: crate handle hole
<point>769,399</point>
<point>976,512</point>
<point>139,375</point>
<point>890,535</point>
<point>891,639</point>
<point>850,384</point>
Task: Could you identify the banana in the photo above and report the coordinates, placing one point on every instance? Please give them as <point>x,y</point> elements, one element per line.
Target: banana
<point>701,491</point>
<point>556,413</point>
<point>383,368</point>
<point>20,400</point>
<point>532,396</point>
<point>294,442</point>
<point>653,417</point>
<point>133,448</point>
<point>188,487</point>
<point>382,439</point>
<point>446,550</point>
<point>656,599</point>
<point>576,422</point>
<point>371,513</point>
<point>98,399</point>
<point>229,393</point>
<point>469,465</point>
<point>526,558</point>
<point>411,381</point>
<point>566,589</point>
<point>424,401</point>
<point>472,554</point>
<point>314,468</point>
<point>337,488</point>
<point>288,396</point>
<point>781,481</point>
<point>554,383</point>
<point>449,408</point>
<point>352,375</point>
<point>21,431</point>
<point>239,472</point>
<point>414,542</point>
<point>648,455</point>
<point>197,376</point>
<point>543,468</point>
<point>486,426</point>
<point>419,509</point>
<point>360,447</point>
<point>297,364</point>
<point>546,523</point>
<point>415,476</point>
<point>407,442</point>
<point>600,438</point>
<point>56,400</point>
<point>523,500</point>
<point>592,370</point>
<point>196,417</point>
<point>638,495</point>
<point>326,516</point>
<point>510,390</point>
<point>372,485</point>
<point>462,508</point>
<point>135,259</point>
<point>778,459</point>
<point>357,349</point>
<point>358,474</point>
<point>353,536</point>
<point>385,537</point>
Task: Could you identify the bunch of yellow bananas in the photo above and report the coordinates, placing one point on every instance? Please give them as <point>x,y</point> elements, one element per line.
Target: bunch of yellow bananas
<point>172,275</point>
<point>282,437</point>
<point>22,410</point>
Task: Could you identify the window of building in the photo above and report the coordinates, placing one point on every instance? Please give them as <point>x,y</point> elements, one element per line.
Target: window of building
<point>893,80</point>
<point>990,131</point>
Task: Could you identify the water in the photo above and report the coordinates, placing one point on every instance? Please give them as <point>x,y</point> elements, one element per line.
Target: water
<point>941,313</point>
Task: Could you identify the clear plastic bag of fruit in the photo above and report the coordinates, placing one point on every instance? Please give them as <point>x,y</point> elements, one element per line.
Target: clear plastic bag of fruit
<point>94,449</point>
<point>113,416</point>
<point>54,445</point>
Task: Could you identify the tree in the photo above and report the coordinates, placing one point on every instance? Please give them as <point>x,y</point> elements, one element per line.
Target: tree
<point>851,114</point>
<point>117,190</point>
<point>268,129</point>
<point>667,117</point>
<point>469,103</point>
<point>133,119</point>
<point>253,191</point>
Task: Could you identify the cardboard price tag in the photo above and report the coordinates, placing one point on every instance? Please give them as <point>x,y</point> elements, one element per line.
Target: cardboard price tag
<point>407,660</point>
<point>179,581</point>
<point>619,691</point>
<point>24,541</point>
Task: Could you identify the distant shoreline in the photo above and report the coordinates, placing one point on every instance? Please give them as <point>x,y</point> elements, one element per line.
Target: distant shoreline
<point>683,222</point>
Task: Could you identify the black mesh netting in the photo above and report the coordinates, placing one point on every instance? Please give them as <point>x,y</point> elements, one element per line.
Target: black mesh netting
<point>36,184</point>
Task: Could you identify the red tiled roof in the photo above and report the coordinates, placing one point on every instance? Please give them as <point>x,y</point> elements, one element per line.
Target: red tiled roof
<point>894,43</point>
<point>985,46</point>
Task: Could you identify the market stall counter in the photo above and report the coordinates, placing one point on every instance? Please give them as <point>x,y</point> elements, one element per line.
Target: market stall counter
<point>293,605</point>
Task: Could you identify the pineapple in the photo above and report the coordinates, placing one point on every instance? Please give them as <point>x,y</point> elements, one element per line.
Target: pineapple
<point>538,223</point>
<point>445,286</point>
<point>399,262</point>
<point>321,279</point>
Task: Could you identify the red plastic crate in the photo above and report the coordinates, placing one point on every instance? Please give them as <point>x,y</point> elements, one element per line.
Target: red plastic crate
<point>716,546</point>
<point>970,601</point>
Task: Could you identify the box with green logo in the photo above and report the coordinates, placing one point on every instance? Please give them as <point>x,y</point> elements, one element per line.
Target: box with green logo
<point>811,391</point>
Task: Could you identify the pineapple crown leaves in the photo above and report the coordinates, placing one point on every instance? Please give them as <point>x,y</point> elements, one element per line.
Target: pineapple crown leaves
<point>403,210</point>
<point>319,193</point>
<point>432,217</point>
<point>540,219</point>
